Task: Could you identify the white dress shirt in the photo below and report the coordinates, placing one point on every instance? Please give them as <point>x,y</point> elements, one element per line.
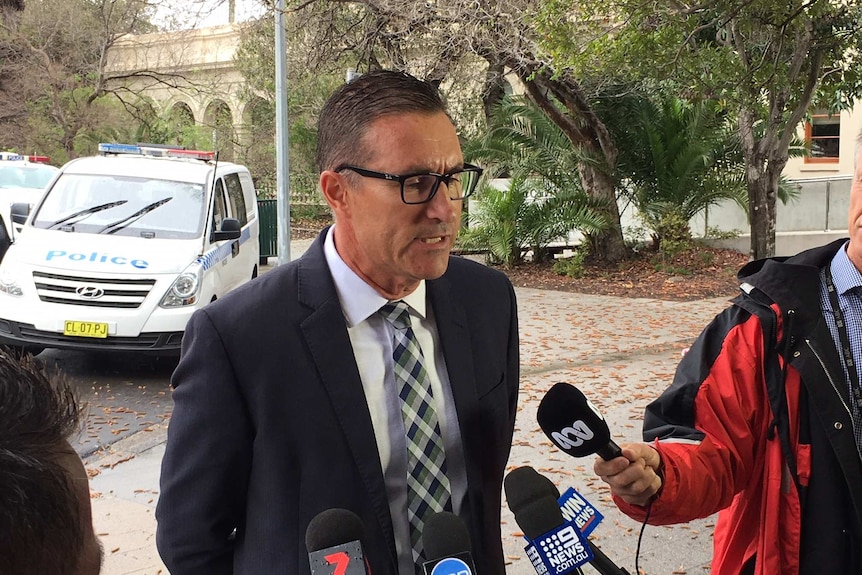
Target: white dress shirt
<point>371,337</point>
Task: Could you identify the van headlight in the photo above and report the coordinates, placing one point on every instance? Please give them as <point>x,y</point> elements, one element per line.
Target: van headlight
<point>184,291</point>
<point>9,284</point>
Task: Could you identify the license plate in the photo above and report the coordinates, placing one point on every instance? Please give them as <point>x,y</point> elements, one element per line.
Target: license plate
<point>85,328</point>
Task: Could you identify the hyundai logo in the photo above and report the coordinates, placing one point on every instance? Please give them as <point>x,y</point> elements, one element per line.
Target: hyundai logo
<point>90,292</point>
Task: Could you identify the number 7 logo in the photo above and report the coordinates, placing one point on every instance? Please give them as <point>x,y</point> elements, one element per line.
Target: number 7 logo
<point>341,560</point>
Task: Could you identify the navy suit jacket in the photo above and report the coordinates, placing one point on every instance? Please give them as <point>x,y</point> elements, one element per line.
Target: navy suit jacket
<point>270,423</point>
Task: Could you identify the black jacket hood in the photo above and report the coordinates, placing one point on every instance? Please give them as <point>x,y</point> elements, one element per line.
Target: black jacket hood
<point>792,282</point>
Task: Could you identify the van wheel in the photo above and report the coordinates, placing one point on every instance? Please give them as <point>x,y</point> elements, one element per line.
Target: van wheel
<point>19,351</point>
<point>254,272</point>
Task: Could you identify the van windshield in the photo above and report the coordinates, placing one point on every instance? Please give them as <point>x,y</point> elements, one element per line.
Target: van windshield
<point>124,206</point>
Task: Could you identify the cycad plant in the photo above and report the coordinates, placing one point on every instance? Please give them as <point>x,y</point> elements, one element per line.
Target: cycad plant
<point>676,158</point>
<point>543,200</point>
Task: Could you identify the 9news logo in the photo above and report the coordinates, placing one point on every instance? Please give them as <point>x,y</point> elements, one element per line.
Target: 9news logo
<point>563,549</point>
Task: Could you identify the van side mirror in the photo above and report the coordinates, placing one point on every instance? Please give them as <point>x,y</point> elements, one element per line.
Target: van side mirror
<point>20,211</point>
<point>229,230</point>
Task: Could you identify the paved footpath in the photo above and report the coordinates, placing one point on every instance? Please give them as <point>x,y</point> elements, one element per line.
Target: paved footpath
<point>620,352</point>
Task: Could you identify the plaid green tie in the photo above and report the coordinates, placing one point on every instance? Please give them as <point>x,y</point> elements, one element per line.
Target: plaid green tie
<point>428,490</point>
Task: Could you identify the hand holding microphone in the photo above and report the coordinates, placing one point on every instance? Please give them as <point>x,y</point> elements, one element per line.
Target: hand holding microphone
<point>576,427</point>
<point>636,478</point>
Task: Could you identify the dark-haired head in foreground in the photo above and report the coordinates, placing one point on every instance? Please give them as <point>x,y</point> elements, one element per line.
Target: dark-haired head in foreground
<point>46,524</point>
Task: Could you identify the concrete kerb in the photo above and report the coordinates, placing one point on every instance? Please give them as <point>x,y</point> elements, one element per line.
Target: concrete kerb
<point>124,482</point>
<point>621,352</point>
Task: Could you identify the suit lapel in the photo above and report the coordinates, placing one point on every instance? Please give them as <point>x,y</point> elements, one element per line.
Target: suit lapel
<point>451,319</point>
<point>325,333</point>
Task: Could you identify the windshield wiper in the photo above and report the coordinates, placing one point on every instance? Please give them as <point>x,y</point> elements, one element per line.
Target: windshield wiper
<point>87,212</point>
<point>131,218</point>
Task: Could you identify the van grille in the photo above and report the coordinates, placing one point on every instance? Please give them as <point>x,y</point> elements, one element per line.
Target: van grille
<point>92,292</point>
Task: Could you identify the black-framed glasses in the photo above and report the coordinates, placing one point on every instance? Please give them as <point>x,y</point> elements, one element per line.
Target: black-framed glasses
<point>420,188</point>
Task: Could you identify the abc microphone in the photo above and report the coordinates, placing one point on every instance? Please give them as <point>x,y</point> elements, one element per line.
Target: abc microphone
<point>447,543</point>
<point>334,542</point>
<point>574,424</point>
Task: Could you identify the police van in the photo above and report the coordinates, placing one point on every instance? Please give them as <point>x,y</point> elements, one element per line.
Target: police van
<point>123,247</point>
<point>22,180</point>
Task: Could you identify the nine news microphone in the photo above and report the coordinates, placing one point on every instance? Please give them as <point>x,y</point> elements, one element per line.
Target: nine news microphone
<point>532,498</point>
<point>447,543</point>
<point>334,542</point>
<point>555,545</point>
<point>574,424</point>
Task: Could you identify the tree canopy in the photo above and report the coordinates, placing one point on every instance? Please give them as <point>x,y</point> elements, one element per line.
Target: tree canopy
<point>767,63</point>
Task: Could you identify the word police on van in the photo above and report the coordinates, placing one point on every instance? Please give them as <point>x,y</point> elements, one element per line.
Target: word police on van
<point>123,247</point>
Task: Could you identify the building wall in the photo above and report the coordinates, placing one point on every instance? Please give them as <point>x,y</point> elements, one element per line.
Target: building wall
<point>851,124</point>
<point>194,67</point>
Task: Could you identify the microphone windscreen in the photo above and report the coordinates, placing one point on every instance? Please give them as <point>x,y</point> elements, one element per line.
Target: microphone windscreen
<point>445,535</point>
<point>333,527</point>
<point>524,485</point>
<point>532,497</point>
<point>571,422</point>
<point>539,517</point>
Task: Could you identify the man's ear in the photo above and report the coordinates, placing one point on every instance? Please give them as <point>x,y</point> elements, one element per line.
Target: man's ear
<point>334,188</point>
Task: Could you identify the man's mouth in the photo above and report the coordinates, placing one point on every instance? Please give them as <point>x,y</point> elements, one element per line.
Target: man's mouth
<point>434,240</point>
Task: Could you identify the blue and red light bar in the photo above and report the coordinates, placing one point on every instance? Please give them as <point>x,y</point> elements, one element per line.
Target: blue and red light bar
<point>154,152</point>
<point>15,157</point>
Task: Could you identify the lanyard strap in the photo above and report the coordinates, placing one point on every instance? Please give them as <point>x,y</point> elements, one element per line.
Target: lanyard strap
<point>843,336</point>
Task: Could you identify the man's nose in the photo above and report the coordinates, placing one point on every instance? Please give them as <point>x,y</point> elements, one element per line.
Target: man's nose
<point>440,207</point>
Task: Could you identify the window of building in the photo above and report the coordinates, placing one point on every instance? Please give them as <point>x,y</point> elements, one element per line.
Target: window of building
<point>823,133</point>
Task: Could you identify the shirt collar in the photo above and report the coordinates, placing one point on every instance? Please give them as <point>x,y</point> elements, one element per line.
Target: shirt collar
<point>844,274</point>
<point>359,301</point>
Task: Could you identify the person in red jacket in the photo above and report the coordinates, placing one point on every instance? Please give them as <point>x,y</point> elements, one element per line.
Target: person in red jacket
<point>763,421</point>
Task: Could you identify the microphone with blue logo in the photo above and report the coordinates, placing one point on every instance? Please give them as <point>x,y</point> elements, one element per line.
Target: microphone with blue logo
<point>447,545</point>
<point>555,527</point>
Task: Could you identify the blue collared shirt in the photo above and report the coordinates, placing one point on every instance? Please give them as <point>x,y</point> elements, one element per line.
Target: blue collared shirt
<point>848,285</point>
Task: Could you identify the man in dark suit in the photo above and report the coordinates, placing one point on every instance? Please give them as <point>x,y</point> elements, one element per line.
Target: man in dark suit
<point>294,394</point>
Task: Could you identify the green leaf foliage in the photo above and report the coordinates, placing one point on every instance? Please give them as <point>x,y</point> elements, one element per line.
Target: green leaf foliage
<point>542,201</point>
<point>675,157</point>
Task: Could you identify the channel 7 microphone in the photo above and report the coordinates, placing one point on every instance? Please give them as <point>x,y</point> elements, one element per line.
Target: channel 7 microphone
<point>574,424</point>
<point>334,542</point>
<point>447,545</point>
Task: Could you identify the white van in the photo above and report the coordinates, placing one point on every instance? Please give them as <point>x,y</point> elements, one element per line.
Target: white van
<point>22,180</point>
<point>123,247</point>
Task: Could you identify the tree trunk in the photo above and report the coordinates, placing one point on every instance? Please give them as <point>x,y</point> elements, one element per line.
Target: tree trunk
<point>493,91</point>
<point>608,244</point>
<point>585,131</point>
<point>762,195</point>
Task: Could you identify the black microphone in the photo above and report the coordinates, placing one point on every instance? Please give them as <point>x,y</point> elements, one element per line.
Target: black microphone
<point>532,498</point>
<point>553,542</point>
<point>447,545</point>
<point>574,424</point>
<point>527,494</point>
<point>334,541</point>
